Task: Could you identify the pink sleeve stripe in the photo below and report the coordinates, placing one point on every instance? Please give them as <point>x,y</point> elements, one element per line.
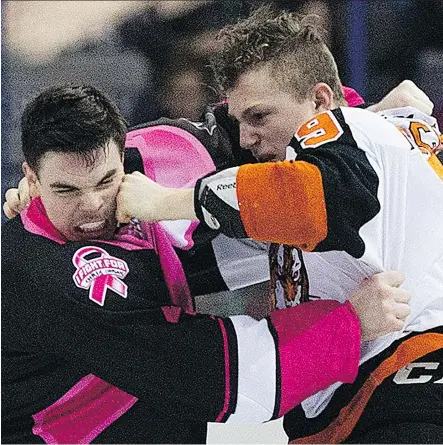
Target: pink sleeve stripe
<point>172,270</point>
<point>227,373</point>
<point>81,414</point>
<point>319,347</point>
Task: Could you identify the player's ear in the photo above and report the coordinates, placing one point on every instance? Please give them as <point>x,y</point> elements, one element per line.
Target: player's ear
<point>33,182</point>
<point>323,97</point>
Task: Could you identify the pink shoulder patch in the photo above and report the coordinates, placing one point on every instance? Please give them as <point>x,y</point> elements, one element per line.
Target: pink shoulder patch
<point>99,274</point>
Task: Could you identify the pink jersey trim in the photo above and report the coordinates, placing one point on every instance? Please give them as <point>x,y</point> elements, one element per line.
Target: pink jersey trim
<point>35,220</point>
<point>227,372</point>
<point>173,271</point>
<point>352,97</point>
<point>188,235</point>
<point>162,148</point>
<point>111,419</point>
<point>81,414</point>
<point>171,313</point>
<point>305,367</point>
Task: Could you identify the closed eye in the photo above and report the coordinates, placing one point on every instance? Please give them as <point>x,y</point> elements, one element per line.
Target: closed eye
<point>66,191</point>
<point>108,179</point>
<point>106,182</point>
<point>258,115</point>
<point>258,118</point>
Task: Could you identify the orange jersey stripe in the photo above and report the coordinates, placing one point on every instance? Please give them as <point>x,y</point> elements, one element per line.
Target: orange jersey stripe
<point>283,202</point>
<point>436,165</point>
<point>407,352</point>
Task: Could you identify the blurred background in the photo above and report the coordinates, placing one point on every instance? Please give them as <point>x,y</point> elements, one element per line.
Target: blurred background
<point>151,57</point>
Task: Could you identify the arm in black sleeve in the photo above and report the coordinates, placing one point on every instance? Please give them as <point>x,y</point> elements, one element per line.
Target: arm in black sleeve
<point>319,201</point>
<point>197,366</point>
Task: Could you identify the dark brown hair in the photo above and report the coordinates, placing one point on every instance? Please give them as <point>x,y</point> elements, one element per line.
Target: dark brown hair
<point>73,119</point>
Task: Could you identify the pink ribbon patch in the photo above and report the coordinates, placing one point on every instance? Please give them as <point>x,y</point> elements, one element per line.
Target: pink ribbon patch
<point>99,274</point>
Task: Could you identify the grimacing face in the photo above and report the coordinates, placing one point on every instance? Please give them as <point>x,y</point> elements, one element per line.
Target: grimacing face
<point>268,116</point>
<point>80,200</point>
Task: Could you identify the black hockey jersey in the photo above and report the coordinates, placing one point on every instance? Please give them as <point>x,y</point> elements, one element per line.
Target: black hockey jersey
<point>94,350</point>
<point>100,343</point>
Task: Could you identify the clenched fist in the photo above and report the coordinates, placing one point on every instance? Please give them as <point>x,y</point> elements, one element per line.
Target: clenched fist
<point>406,94</point>
<point>381,306</point>
<point>17,199</point>
<point>140,197</point>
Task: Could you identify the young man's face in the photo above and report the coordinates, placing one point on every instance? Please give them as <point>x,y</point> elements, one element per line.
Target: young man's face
<point>80,199</point>
<point>268,116</point>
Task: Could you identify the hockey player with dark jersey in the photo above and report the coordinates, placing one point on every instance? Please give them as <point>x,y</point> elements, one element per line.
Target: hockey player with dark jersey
<point>351,193</point>
<point>212,261</point>
<point>100,340</point>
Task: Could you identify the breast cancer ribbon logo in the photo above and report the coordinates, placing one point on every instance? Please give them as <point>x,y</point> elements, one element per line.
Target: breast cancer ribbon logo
<point>99,274</point>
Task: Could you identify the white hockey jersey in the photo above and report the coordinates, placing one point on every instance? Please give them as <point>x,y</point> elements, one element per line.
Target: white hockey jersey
<point>361,196</point>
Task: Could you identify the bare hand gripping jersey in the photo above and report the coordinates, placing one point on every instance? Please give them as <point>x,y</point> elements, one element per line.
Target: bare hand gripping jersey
<point>100,343</point>
<point>360,197</point>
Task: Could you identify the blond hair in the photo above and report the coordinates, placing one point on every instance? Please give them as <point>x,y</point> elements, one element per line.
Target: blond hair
<point>290,44</point>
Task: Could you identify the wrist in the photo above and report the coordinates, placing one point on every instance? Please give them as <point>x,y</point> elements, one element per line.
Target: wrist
<point>374,108</point>
<point>179,205</point>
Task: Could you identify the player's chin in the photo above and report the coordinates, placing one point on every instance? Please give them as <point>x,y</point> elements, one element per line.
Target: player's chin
<point>103,232</point>
<point>263,157</point>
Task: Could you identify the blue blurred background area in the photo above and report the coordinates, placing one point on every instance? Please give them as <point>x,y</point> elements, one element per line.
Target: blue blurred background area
<point>152,57</point>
